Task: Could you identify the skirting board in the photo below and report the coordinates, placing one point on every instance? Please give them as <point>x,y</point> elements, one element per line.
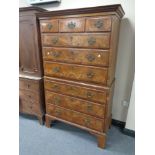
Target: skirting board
<point>121,125</point>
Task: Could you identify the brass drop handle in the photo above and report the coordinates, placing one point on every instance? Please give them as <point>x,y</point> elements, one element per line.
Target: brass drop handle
<point>90,57</point>
<point>56,54</point>
<point>90,75</point>
<point>55,40</point>
<point>56,69</point>
<point>71,25</point>
<point>91,41</point>
<point>55,87</point>
<point>87,122</point>
<point>49,26</point>
<point>57,112</point>
<point>89,95</point>
<point>89,107</point>
<point>98,24</point>
<point>57,100</point>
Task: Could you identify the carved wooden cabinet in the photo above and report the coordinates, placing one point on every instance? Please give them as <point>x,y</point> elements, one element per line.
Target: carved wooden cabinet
<point>79,49</point>
<point>31,96</point>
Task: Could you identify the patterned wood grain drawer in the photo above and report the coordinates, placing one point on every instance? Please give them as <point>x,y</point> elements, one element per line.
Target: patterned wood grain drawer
<point>72,25</point>
<point>92,40</point>
<point>76,72</point>
<point>75,117</point>
<point>77,91</point>
<point>49,25</point>
<point>98,24</point>
<point>28,84</point>
<point>29,96</point>
<point>75,104</point>
<point>78,56</point>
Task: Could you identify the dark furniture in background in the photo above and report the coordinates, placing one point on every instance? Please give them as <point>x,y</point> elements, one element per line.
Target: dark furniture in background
<point>31,94</point>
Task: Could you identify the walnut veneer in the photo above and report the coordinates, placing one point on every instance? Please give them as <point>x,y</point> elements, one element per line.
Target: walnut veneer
<point>79,49</point>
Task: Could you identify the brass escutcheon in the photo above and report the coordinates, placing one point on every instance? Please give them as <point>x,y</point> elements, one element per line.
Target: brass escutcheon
<point>49,26</point>
<point>55,40</point>
<point>90,57</point>
<point>56,69</point>
<point>71,25</point>
<point>57,100</point>
<point>90,74</point>
<point>91,41</point>
<point>98,24</point>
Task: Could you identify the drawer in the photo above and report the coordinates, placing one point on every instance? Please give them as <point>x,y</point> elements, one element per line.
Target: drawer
<point>97,24</point>
<point>29,84</point>
<point>78,56</point>
<point>72,25</point>
<point>28,107</point>
<point>75,104</point>
<point>29,96</point>
<point>77,40</point>
<point>76,72</point>
<point>75,117</point>
<point>49,25</point>
<point>77,91</point>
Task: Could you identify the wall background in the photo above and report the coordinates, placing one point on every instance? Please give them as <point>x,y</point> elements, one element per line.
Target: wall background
<point>125,60</point>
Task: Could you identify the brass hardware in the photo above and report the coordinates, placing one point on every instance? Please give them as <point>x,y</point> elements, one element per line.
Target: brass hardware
<point>89,107</point>
<point>90,57</point>
<point>56,54</point>
<point>87,122</point>
<point>56,69</point>
<point>57,100</point>
<point>55,87</point>
<point>28,86</point>
<point>91,41</point>
<point>71,25</point>
<point>55,40</point>
<point>22,68</point>
<point>90,74</point>
<point>49,26</point>
<point>57,112</point>
<point>89,95</point>
<point>98,24</point>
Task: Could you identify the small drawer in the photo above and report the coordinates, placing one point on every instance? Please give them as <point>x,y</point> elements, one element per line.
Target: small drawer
<point>29,95</point>
<point>91,40</point>
<point>78,56</point>
<point>76,72</point>
<point>28,107</point>
<point>76,117</point>
<point>97,24</point>
<point>75,104</point>
<point>72,25</point>
<point>76,91</point>
<point>49,25</point>
<point>29,84</point>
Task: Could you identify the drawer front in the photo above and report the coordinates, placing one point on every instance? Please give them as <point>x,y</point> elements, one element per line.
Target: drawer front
<point>29,96</point>
<point>77,91</point>
<point>49,26</point>
<point>72,25</point>
<point>28,84</point>
<point>98,24</point>
<point>79,56</point>
<point>28,107</point>
<point>75,117</point>
<point>76,72</point>
<point>77,40</point>
<point>75,104</point>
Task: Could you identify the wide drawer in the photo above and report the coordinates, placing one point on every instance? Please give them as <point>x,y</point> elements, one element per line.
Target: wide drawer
<point>97,24</point>
<point>75,104</point>
<point>92,40</point>
<point>78,56</point>
<point>29,84</point>
<point>72,25</point>
<point>76,117</point>
<point>76,90</point>
<point>49,25</point>
<point>76,72</point>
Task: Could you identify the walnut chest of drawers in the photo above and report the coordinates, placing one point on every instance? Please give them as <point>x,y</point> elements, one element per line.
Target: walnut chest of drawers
<point>79,50</point>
